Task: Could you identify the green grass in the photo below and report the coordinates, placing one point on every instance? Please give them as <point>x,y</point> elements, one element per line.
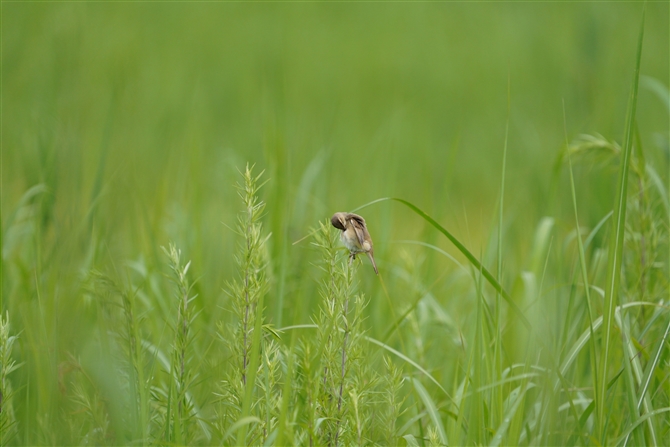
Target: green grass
<point>169,276</point>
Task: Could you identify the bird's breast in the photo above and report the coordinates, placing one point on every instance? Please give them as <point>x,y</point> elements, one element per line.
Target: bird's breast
<point>350,240</point>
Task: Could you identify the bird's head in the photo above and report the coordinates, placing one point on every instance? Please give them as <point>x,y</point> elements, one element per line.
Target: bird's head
<point>338,221</point>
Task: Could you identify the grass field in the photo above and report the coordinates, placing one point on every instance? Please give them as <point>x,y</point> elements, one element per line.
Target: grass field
<point>170,277</point>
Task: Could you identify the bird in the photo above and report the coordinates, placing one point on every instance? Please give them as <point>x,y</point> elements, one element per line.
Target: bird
<point>355,235</point>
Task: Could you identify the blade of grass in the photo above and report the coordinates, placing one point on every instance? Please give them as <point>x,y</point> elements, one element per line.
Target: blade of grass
<point>462,397</point>
<point>477,423</point>
<point>597,228</point>
<point>583,265</point>
<point>640,421</point>
<point>631,398</point>
<point>502,429</point>
<point>286,393</point>
<point>410,361</point>
<point>616,245</point>
<point>247,420</point>
<point>470,257</point>
<point>497,353</point>
<point>432,410</point>
<point>584,338</point>
<point>655,86</point>
<point>633,371</point>
<point>651,366</point>
<point>437,249</point>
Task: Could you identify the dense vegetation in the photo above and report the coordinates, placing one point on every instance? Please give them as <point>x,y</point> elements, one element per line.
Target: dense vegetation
<point>170,277</point>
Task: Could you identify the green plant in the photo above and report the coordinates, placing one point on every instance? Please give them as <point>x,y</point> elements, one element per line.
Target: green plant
<point>8,426</point>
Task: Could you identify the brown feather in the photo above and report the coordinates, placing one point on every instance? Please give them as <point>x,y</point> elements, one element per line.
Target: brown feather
<point>359,228</point>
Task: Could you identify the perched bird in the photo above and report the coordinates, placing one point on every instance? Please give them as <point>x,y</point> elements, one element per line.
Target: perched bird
<point>354,235</point>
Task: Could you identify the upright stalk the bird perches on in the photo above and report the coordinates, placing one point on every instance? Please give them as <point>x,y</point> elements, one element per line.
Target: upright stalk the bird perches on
<point>339,334</point>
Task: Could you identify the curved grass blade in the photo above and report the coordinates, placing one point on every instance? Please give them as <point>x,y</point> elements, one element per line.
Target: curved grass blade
<point>658,88</point>
<point>584,338</point>
<point>504,426</point>
<point>411,441</point>
<point>633,370</point>
<point>640,421</point>
<point>432,411</point>
<point>247,420</point>
<point>411,362</point>
<point>433,247</point>
<point>473,260</point>
<point>651,366</point>
<point>595,230</point>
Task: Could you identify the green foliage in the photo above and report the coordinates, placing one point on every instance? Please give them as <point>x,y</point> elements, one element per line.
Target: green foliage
<point>7,366</point>
<point>392,401</point>
<point>181,416</point>
<point>346,381</point>
<point>247,300</point>
<point>122,320</point>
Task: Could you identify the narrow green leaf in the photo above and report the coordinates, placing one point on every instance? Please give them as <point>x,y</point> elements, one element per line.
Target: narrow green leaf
<point>651,366</point>
<point>640,421</point>
<point>584,338</point>
<point>502,429</point>
<point>411,441</point>
<point>410,361</point>
<point>245,421</point>
<point>432,410</point>
<point>629,380</point>
<point>473,260</point>
<point>584,271</point>
<point>286,393</point>
<point>616,243</point>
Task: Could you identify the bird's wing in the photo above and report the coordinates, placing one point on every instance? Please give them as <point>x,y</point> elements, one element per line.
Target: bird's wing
<point>359,227</point>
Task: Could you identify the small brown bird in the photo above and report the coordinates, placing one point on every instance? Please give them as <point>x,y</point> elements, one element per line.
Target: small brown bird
<point>354,235</point>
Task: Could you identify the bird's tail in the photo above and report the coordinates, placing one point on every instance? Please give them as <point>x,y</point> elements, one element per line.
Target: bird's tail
<point>372,259</point>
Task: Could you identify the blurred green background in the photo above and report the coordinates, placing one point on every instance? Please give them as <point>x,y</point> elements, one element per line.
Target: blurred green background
<point>136,118</point>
